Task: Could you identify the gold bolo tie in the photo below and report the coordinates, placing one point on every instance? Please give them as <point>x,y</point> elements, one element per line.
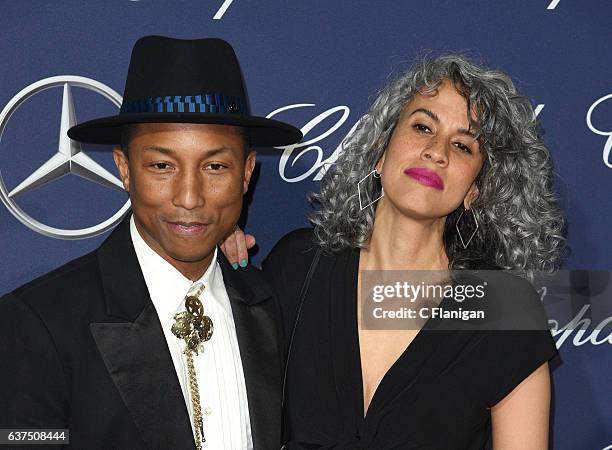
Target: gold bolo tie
<point>194,328</point>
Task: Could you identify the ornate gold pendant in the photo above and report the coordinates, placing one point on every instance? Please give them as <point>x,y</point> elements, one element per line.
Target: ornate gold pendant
<point>192,325</point>
<point>194,328</point>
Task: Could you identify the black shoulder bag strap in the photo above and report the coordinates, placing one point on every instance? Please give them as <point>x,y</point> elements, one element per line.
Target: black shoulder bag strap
<point>302,298</point>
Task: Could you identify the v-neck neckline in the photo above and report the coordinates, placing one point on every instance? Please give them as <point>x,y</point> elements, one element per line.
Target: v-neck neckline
<point>392,383</point>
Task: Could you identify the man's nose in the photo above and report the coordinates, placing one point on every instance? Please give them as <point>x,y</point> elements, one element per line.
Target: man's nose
<point>189,190</point>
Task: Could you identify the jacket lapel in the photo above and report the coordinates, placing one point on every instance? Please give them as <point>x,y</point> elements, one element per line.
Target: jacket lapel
<point>257,328</point>
<point>134,349</point>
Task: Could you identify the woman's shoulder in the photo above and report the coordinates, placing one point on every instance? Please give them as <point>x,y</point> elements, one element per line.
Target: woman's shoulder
<point>297,245</point>
<point>513,300</point>
<point>501,287</point>
<point>286,268</point>
<point>289,260</point>
<point>519,341</point>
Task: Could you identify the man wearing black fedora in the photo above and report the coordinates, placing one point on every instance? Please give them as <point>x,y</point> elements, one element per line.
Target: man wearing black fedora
<point>153,340</point>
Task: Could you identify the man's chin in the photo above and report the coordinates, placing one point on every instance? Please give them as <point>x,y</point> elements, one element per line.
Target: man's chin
<point>193,258</point>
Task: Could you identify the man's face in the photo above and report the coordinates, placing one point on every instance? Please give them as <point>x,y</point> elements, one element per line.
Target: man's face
<point>186,183</point>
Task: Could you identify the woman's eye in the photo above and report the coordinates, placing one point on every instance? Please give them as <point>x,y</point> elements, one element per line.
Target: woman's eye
<point>422,128</point>
<point>463,147</point>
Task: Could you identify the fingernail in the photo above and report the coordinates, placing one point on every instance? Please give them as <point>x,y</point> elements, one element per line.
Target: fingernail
<point>235,266</point>
<point>243,263</point>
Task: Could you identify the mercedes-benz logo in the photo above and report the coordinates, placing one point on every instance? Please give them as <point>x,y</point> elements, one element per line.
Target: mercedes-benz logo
<point>68,159</point>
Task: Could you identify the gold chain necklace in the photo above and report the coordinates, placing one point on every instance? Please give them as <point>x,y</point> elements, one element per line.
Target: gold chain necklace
<point>194,328</point>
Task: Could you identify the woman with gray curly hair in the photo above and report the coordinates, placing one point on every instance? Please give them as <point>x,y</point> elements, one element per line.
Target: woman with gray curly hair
<point>445,171</point>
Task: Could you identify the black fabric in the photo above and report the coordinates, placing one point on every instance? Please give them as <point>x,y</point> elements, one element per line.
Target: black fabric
<point>82,348</point>
<point>436,396</point>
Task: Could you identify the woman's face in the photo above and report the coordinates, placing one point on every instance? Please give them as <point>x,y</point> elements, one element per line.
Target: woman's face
<point>431,162</point>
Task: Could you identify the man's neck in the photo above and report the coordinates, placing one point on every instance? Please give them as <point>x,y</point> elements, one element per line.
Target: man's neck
<point>191,270</point>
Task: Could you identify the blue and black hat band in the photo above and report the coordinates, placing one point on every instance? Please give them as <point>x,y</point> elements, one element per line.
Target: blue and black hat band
<point>200,103</point>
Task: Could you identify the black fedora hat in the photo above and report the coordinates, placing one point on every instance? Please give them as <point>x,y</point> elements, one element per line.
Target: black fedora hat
<point>185,81</point>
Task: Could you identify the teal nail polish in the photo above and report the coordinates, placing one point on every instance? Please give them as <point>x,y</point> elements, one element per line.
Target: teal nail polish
<point>243,263</point>
<point>235,266</point>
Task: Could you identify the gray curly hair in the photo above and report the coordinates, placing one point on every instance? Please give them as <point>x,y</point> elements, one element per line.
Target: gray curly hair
<point>521,226</point>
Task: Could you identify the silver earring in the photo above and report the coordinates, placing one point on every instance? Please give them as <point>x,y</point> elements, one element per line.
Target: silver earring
<point>361,200</point>
<point>465,244</point>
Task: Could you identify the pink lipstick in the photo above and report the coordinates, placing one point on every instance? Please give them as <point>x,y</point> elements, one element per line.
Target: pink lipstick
<point>426,177</point>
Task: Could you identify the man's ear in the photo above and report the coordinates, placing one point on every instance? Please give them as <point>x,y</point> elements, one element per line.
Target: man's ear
<point>249,166</point>
<point>471,195</point>
<point>121,161</point>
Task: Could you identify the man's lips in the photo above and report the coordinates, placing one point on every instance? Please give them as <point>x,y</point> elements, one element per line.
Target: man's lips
<point>187,228</point>
<point>426,177</point>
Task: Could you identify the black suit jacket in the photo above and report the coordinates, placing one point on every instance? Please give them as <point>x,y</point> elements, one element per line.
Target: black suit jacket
<point>82,348</point>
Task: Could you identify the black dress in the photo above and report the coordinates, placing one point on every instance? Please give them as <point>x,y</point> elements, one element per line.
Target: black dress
<point>438,393</point>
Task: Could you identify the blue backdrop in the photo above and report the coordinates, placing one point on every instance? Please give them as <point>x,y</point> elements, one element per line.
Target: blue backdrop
<point>327,59</point>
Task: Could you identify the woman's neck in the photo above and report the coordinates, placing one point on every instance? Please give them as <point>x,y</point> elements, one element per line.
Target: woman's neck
<point>402,243</point>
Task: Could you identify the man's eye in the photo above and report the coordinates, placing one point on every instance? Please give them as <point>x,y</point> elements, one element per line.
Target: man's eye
<point>422,128</point>
<point>215,166</point>
<point>161,166</point>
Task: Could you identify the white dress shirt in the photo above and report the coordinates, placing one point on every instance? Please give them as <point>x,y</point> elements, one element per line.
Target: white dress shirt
<point>219,370</point>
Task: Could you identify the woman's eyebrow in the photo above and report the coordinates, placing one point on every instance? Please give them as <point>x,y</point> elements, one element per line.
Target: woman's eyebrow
<point>466,132</point>
<point>436,119</point>
<point>431,114</point>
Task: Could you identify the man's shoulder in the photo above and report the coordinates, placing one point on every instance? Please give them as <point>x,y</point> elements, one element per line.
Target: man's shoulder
<point>62,288</point>
<point>69,276</point>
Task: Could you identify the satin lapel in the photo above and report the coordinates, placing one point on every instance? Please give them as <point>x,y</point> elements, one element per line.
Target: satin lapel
<point>138,360</point>
<point>135,351</point>
<point>257,330</point>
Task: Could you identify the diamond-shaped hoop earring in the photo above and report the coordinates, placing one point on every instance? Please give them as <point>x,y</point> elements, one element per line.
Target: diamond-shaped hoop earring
<point>361,201</point>
<point>465,244</point>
